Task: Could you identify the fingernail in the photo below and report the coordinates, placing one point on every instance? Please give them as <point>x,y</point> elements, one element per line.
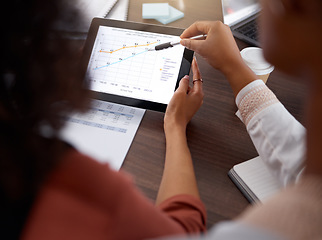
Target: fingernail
<point>186,77</point>
<point>183,42</point>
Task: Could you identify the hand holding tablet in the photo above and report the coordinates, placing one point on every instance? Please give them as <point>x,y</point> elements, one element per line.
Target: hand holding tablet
<point>120,68</point>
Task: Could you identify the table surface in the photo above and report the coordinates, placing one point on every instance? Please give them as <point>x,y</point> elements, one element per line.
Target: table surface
<point>216,137</point>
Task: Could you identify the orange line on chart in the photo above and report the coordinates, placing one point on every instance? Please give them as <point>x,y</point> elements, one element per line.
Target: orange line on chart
<point>143,45</point>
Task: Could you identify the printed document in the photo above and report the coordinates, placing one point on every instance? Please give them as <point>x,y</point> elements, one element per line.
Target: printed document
<point>105,132</point>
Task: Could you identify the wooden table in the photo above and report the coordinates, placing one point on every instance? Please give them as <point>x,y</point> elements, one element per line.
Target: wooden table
<point>216,137</point>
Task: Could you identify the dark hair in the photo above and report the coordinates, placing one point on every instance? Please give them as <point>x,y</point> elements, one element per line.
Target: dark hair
<point>40,80</point>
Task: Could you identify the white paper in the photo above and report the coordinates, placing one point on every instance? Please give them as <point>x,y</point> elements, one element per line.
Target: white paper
<point>105,132</point>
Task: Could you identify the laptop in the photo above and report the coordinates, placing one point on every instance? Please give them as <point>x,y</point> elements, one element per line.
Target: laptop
<point>241,16</point>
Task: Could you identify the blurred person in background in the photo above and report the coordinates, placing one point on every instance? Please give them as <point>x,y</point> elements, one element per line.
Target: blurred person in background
<point>48,189</point>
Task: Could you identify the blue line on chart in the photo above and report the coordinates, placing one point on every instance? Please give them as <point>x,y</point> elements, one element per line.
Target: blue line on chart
<point>120,60</point>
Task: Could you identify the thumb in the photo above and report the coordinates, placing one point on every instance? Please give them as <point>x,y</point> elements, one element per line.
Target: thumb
<point>184,84</point>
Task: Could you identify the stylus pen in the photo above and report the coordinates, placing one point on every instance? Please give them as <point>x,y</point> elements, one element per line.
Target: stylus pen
<point>172,44</point>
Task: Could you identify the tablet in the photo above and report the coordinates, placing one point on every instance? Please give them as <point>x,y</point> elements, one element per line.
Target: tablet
<point>119,67</point>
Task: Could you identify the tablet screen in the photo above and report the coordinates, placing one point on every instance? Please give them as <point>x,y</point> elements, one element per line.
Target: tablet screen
<point>121,63</point>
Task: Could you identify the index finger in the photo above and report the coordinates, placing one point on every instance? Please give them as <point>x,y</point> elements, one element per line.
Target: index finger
<point>195,29</point>
<point>197,86</point>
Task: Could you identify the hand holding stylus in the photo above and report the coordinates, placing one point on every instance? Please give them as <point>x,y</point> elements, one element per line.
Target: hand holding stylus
<point>172,44</point>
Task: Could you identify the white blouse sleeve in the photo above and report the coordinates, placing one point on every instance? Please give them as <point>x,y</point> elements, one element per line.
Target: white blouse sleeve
<point>278,137</point>
<point>231,230</point>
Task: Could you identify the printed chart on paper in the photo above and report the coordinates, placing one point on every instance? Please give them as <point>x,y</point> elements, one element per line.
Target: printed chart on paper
<point>121,64</point>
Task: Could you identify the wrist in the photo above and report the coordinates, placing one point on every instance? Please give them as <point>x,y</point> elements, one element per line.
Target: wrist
<point>239,75</point>
<point>174,129</point>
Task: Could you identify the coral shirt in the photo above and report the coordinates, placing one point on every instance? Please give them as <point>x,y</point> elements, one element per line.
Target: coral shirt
<point>84,199</point>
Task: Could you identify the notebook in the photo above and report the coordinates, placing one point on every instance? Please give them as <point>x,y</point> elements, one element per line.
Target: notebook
<point>254,180</point>
<point>241,16</point>
<point>119,11</point>
<point>88,9</point>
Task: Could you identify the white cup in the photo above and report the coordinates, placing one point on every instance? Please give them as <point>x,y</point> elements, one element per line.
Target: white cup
<point>253,57</point>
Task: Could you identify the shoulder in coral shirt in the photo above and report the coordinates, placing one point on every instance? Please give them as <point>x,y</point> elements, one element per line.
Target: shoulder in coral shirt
<point>84,199</point>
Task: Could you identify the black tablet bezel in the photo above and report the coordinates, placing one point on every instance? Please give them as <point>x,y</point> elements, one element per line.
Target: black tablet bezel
<point>184,68</point>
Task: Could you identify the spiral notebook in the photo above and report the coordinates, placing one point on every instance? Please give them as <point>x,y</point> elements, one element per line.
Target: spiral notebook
<point>91,9</point>
<point>88,9</point>
<point>254,179</point>
<point>119,11</point>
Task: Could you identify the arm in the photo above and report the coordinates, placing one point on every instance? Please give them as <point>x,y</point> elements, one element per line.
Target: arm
<point>277,136</point>
<point>178,177</point>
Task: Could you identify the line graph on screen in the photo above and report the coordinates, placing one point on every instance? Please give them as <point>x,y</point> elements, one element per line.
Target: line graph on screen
<point>121,64</point>
<point>123,48</point>
<point>124,60</point>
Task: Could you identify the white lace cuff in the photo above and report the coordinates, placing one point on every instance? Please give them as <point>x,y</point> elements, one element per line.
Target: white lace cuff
<point>252,99</point>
